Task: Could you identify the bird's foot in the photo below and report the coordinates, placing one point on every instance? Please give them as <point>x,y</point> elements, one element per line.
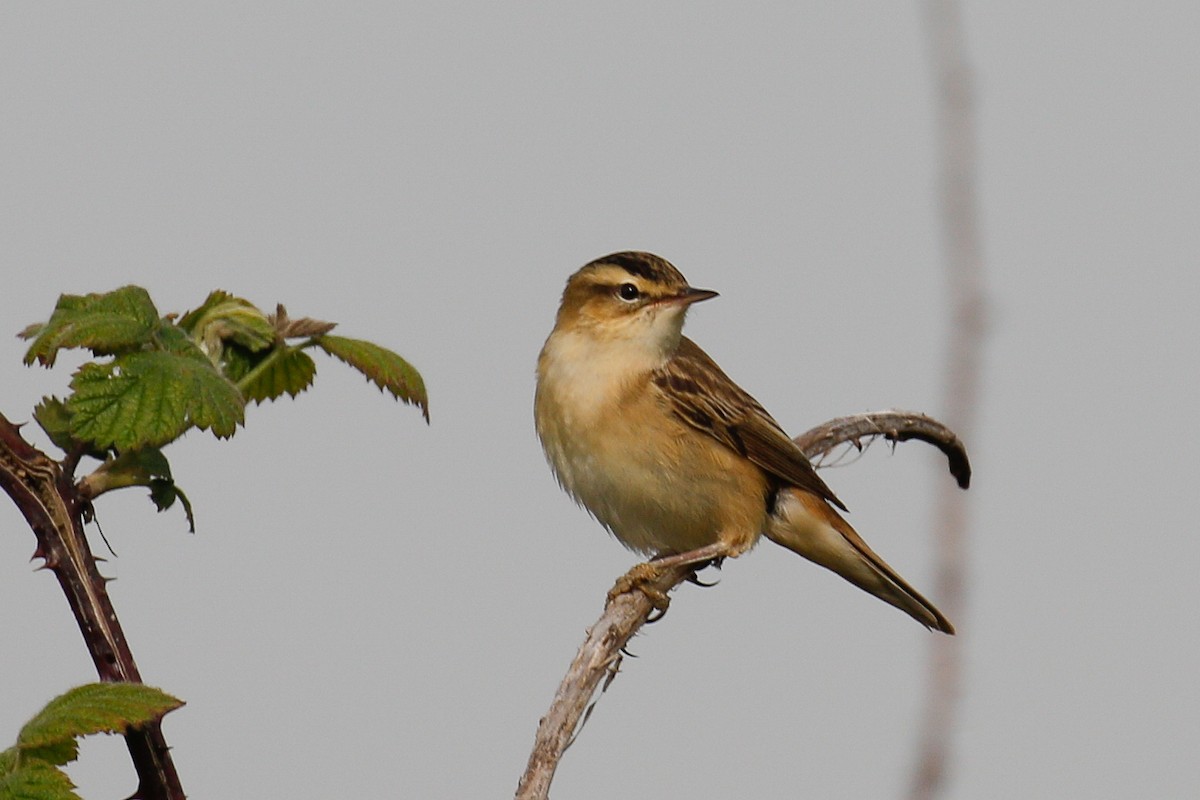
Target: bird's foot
<point>641,579</point>
<point>645,577</point>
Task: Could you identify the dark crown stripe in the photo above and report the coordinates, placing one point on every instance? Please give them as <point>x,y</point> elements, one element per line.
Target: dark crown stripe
<point>644,265</point>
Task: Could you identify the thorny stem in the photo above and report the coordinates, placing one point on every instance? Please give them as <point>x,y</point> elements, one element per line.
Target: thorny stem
<point>52,506</point>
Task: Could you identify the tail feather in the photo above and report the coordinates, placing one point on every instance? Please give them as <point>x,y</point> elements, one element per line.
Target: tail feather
<point>807,525</point>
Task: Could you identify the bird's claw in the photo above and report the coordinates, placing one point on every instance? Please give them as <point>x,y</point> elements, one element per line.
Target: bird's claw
<point>641,579</point>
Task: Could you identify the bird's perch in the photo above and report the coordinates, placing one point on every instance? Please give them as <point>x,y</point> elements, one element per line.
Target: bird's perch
<point>627,612</point>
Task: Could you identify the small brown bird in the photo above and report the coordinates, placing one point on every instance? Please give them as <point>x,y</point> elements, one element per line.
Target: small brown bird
<point>646,432</point>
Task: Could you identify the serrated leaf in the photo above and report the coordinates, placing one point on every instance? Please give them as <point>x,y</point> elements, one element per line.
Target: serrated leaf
<point>173,339</point>
<point>60,753</point>
<point>236,362</point>
<point>104,323</point>
<point>54,418</point>
<point>52,415</point>
<point>149,399</point>
<point>383,367</point>
<point>284,371</point>
<point>95,708</point>
<point>36,780</point>
<point>226,318</point>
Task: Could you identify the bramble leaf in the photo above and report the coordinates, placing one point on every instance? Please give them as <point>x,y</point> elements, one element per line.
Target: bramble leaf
<point>236,362</point>
<point>224,318</point>
<point>95,708</point>
<point>173,339</point>
<point>164,492</point>
<point>52,415</point>
<point>384,368</point>
<point>60,753</point>
<point>33,779</point>
<point>28,771</point>
<point>143,466</point>
<point>55,419</point>
<point>285,371</point>
<point>136,467</point>
<point>151,398</point>
<point>104,323</point>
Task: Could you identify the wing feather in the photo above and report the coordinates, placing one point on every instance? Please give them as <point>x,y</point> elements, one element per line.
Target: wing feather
<point>704,397</point>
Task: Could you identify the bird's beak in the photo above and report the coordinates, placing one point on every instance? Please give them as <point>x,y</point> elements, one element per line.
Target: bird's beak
<point>691,295</point>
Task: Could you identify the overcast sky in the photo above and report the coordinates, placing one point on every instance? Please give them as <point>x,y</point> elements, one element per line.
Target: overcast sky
<point>376,607</point>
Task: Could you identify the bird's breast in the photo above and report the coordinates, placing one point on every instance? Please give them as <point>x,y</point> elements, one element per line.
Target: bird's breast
<point>656,483</point>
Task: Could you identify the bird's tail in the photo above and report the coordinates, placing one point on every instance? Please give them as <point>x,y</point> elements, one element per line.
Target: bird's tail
<point>806,524</point>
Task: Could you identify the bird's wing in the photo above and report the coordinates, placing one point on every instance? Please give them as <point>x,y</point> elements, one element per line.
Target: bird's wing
<point>704,397</point>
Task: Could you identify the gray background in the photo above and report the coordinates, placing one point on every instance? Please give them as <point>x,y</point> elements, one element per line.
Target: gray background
<point>372,606</point>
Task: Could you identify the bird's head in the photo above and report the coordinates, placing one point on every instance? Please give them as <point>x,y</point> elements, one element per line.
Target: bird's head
<point>630,297</point>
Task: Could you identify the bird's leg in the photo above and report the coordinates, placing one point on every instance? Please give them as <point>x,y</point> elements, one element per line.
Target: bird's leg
<point>643,576</point>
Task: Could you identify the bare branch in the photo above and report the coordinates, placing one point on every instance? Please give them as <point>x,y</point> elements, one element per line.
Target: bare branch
<point>627,612</point>
<point>963,255</point>
<point>895,426</point>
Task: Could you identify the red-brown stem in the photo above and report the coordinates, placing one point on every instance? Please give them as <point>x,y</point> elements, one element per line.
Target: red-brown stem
<point>44,493</point>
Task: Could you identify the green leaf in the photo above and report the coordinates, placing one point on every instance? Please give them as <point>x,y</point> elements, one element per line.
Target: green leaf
<point>236,362</point>
<point>137,467</point>
<point>164,493</point>
<point>33,779</point>
<point>60,753</point>
<point>55,419</point>
<point>283,371</point>
<point>151,398</point>
<point>106,324</point>
<point>149,461</point>
<point>173,339</point>
<point>52,415</point>
<point>381,366</point>
<point>225,318</point>
<point>95,708</point>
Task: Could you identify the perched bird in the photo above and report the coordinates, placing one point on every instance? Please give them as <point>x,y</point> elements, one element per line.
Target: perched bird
<point>646,432</point>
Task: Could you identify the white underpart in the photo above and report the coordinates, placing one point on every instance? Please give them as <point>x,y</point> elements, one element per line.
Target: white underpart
<point>584,376</point>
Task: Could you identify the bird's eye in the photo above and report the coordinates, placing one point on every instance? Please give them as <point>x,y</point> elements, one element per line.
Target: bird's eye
<point>628,292</point>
